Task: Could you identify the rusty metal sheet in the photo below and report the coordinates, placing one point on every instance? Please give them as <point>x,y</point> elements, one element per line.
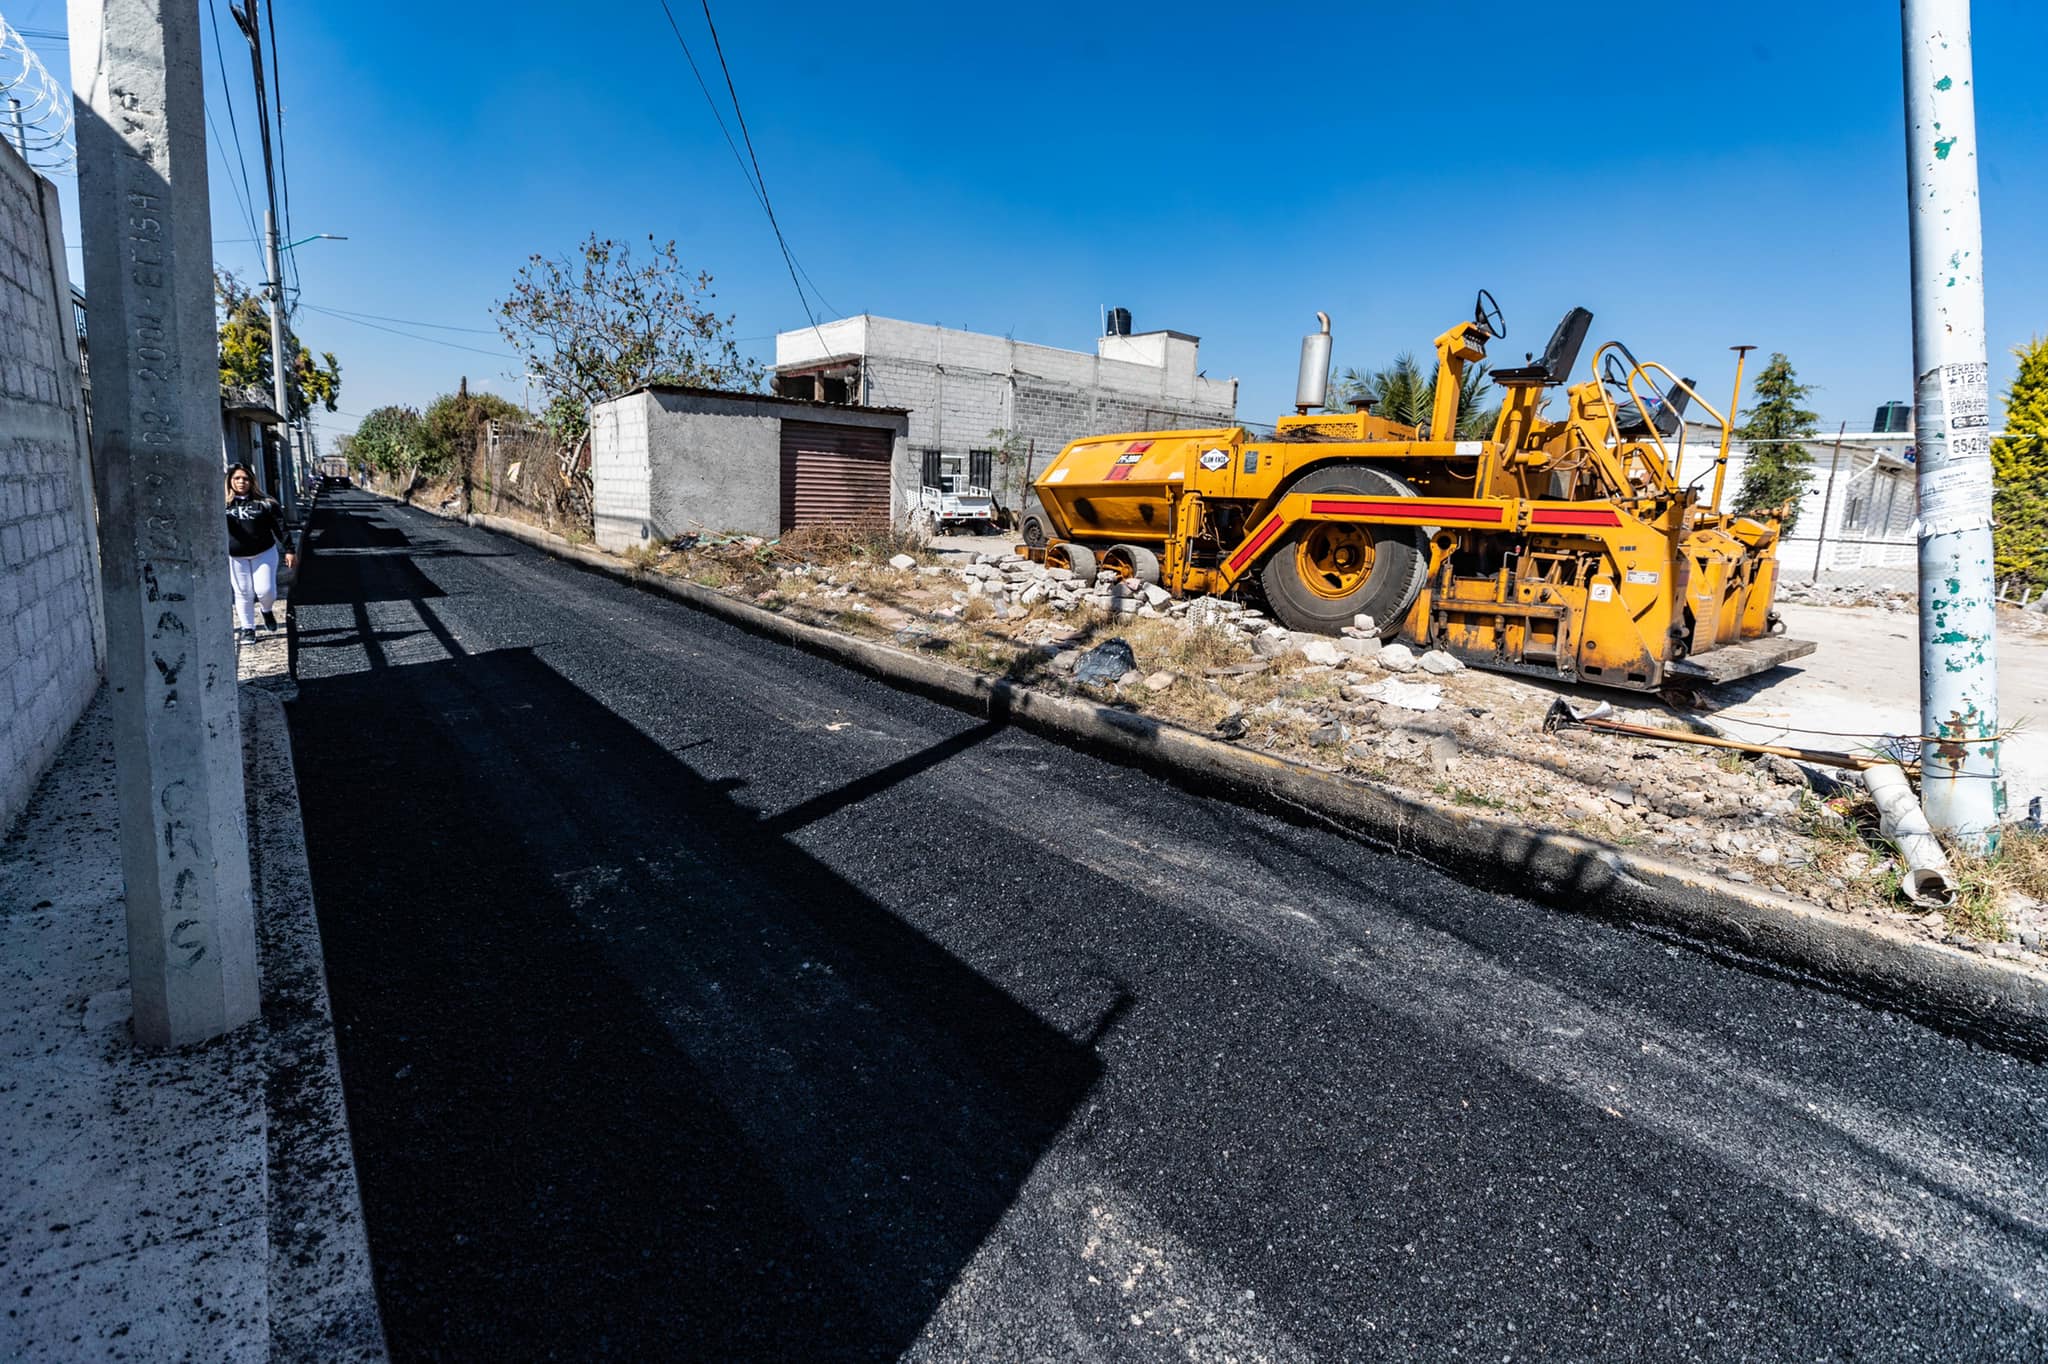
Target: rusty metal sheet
<point>835,475</point>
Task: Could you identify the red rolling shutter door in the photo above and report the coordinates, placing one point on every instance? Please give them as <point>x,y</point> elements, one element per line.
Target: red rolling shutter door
<point>834,475</point>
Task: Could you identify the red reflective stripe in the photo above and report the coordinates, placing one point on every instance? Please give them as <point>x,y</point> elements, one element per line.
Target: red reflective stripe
<point>1238,559</point>
<point>1120,471</point>
<point>1406,507</point>
<point>1563,517</point>
<point>1137,447</point>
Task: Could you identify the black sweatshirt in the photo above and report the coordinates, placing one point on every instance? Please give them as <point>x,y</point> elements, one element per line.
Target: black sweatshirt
<point>254,525</point>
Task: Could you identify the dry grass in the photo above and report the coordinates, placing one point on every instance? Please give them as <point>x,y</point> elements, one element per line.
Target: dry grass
<point>835,545</point>
<point>1983,884</point>
<point>642,557</point>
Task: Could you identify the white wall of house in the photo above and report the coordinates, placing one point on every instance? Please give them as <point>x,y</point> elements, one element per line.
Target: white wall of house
<point>961,386</point>
<point>1859,523</point>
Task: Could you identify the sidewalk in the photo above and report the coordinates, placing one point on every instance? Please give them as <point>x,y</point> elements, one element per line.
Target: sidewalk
<point>199,1204</point>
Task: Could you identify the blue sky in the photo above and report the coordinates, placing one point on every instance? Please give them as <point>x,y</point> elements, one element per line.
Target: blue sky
<point>1697,175</point>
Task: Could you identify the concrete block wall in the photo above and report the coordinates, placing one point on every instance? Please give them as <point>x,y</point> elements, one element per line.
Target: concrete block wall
<point>962,386</point>
<point>715,465</point>
<point>52,640</point>
<point>621,508</point>
<point>665,463</point>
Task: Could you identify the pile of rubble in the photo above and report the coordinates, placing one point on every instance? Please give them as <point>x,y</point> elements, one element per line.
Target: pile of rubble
<point>1847,594</point>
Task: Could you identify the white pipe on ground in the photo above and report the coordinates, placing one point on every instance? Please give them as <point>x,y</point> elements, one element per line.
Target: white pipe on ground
<point>1929,882</point>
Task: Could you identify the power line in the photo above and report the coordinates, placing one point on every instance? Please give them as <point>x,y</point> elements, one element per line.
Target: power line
<point>788,255</point>
<point>228,96</point>
<point>760,179</point>
<point>411,336</point>
<point>411,321</point>
<point>760,192</point>
<point>241,198</point>
<point>284,173</point>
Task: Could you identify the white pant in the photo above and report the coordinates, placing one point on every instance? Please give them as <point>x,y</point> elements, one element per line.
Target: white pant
<point>255,581</point>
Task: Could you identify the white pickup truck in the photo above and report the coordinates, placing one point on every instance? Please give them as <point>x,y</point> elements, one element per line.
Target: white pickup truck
<point>961,508</point>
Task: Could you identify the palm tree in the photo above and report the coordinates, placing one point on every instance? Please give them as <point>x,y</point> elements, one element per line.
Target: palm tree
<point>1406,393</point>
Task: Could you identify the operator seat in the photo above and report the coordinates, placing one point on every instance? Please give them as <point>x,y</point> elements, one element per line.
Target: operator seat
<point>1558,357</point>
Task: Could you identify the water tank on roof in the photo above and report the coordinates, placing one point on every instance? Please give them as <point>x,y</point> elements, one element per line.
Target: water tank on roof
<point>1893,416</point>
<point>1119,322</point>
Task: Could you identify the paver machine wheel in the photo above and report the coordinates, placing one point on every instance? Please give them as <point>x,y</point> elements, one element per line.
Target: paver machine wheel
<point>1323,573</point>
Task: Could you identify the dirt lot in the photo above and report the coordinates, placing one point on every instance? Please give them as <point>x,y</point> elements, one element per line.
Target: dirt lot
<point>1860,682</point>
<point>1422,723</point>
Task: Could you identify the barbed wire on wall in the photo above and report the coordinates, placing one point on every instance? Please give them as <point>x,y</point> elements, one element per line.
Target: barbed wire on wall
<point>35,111</point>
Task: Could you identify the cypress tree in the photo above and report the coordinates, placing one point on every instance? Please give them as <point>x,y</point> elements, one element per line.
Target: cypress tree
<point>1779,467</point>
<point>2019,473</point>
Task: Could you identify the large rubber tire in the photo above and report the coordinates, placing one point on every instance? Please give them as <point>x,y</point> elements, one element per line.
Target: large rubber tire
<point>1079,558</point>
<point>1143,563</point>
<point>1034,531</point>
<point>1400,561</point>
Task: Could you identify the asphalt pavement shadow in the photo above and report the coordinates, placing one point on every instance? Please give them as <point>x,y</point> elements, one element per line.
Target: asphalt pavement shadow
<point>630,1073</point>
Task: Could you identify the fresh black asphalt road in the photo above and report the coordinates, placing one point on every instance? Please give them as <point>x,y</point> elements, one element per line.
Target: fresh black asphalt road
<point>700,999</point>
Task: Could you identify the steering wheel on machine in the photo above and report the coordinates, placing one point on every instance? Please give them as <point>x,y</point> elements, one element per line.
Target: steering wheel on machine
<point>1486,312</point>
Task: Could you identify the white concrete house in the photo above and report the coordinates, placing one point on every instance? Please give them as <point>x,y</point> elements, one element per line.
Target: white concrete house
<point>1855,521</point>
<point>962,388</point>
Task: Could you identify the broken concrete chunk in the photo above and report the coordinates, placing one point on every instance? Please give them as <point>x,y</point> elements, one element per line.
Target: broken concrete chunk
<point>903,561</point>
<point>1442,664</point>
<point>1324,652</point>
<point>1422,696</point>
<point>1160,681</point>
<point>1156,595</point>
<point>1396,658</point>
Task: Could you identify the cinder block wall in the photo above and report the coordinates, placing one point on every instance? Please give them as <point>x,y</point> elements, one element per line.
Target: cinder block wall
<point>52,641</point>
<point>621,507</point>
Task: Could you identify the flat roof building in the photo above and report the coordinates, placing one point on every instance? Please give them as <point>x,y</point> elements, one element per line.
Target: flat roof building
<point>980,404</point>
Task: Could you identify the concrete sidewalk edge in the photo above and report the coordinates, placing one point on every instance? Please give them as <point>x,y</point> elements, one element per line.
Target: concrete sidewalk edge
<point>1991,999</point>
<point>323,1299</point>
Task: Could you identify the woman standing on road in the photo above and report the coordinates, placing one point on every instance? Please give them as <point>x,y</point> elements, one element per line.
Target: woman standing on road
<point>255,535</point>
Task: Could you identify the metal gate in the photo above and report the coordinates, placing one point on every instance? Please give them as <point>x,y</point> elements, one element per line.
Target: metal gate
<point>835,475</point>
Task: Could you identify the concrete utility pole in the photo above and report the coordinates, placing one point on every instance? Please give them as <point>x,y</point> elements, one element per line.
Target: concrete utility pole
<point>280,389</point>
<point>246,19</point>
<point>1960,781</point>
<point>147,231</point>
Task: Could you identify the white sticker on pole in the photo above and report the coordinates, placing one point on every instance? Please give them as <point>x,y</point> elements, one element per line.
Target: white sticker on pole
<point>1955,448</point>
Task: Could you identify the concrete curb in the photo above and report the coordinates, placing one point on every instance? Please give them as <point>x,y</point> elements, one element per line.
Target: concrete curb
<point>323,1299</point>
<point>1962,991</point>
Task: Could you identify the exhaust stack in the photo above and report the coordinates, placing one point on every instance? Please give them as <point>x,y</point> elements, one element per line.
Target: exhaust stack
<point>1312,387</point>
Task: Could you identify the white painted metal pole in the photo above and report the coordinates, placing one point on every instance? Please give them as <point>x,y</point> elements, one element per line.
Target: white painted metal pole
<point>1960,781</point>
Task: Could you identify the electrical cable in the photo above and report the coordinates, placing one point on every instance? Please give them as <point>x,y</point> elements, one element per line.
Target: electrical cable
<point>228,96</point>
<point>760,179</point>
<point>760,196</point>
<point>437,326</point>
<point>284,174</point>
<point>411,336</point>
<point>240,198</point>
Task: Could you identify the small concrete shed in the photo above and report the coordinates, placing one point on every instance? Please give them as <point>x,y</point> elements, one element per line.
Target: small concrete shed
<point>667,460</point>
